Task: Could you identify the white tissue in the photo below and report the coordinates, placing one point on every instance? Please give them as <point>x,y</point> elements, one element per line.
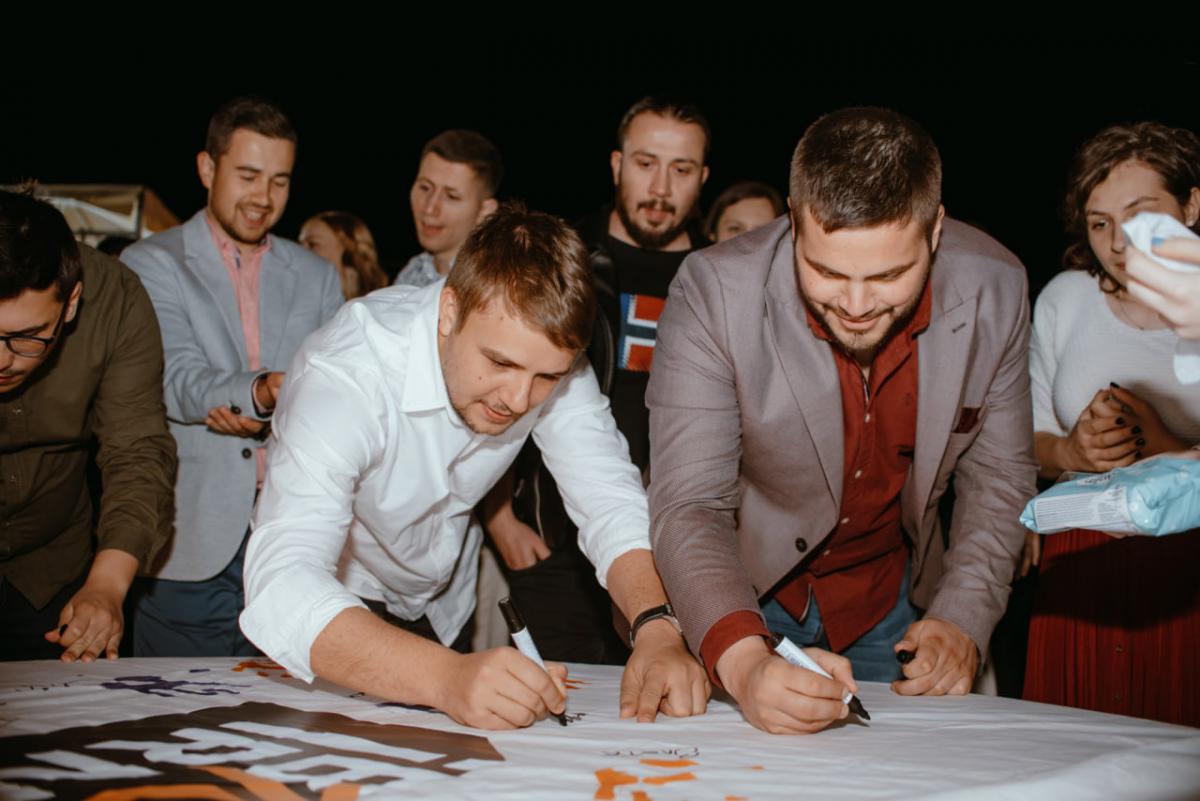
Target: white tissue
<point>1144,231</point>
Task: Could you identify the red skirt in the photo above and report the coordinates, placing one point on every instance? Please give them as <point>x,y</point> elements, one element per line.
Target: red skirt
<point>1116,625</point>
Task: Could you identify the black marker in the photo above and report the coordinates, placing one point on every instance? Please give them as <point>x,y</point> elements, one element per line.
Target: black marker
<point>524,643</point>
<point>788,650</point>
<point>904,657</point>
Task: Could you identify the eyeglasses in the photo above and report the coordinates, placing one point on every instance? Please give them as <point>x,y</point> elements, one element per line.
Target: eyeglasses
<point>32,347</point>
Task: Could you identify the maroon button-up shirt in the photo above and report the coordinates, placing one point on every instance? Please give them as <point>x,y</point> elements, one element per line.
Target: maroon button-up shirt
<point>856,576</point>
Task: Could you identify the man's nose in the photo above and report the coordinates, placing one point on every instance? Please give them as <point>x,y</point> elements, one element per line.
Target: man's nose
<point>660,184</point>
<point>856,301</point>
<point>517,394</point>
<point>433,204</point>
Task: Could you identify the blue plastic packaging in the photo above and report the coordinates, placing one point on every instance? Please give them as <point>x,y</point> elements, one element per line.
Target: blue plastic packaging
<point>1154,497</point>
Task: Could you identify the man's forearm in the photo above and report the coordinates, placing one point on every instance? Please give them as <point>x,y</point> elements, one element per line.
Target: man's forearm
<point>634,583</point>
<point>113,570</point>
<point>362,652</point>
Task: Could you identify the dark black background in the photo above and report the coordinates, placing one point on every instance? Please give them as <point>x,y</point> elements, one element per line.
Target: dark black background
<point>1007,113</point>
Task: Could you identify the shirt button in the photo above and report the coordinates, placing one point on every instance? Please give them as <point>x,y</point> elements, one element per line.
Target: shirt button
<point>247,453</point>
<point>858,474</point>
<point>845,520</point>
<point>1120,648</point>
<point>827,552</point>
<point>235,409</point>
<point>867,419</point>
<point>801,544</point>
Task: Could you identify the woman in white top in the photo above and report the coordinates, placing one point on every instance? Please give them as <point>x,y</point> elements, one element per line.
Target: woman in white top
<point>1116,625</point>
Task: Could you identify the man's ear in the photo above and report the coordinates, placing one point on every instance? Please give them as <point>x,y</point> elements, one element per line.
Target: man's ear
<point>615,161</point>
<point>73,302</point>
<point>704,175</point>
<point>447,312</point>
<point>206,167</point>
<point>936,236</point>
<point>487,209</point>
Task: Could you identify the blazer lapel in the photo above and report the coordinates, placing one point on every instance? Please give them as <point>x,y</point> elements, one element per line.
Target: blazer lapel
<point>808,366</point>
<point>202,258</point>
<point>942,366</point>
<point>277,287</point>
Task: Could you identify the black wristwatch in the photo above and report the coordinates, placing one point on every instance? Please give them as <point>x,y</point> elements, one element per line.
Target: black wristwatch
<point>664,612</point>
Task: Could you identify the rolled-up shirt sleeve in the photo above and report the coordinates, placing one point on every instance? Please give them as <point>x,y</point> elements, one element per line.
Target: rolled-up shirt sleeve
<point>326,435</point>
<point>589,459</point>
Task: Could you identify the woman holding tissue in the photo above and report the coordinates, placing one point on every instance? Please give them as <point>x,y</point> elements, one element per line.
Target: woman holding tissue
<point>1116,624</point>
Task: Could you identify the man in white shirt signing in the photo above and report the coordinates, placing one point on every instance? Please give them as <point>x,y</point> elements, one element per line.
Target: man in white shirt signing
<point>395,419</point>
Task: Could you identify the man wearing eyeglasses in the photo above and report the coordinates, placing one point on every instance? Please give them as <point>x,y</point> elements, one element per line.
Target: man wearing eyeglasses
<point>80,362</point>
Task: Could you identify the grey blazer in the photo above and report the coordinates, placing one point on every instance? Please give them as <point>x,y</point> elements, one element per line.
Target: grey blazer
<point>746,431</point>
<point>207,366</point>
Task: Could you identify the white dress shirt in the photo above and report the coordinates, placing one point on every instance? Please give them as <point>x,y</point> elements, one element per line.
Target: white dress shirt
<point>373,476</point>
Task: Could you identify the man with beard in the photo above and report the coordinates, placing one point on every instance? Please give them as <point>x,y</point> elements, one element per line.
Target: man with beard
<point>396,418</point>
<point>635,246</point>
<point>233,303</point>
<point>818,383</point>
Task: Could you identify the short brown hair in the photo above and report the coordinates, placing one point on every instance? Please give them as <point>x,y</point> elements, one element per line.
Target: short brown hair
<point>255,114</point>
<point>671,109</point>
<point>37,248</point>
<point>862,167</point>
<point>539,265</point>
<point>472,148</point>
<point>1173,153</point>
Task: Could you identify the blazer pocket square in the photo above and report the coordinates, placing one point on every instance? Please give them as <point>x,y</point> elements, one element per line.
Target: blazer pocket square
<point>968,418</point>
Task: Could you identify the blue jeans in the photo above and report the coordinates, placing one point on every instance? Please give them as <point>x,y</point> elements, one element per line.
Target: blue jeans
<point>192,618</point>
<point>871,655</point>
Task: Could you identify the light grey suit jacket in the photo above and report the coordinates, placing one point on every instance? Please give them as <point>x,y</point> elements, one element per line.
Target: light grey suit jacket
<point>746,431</point>
<point>207,366</point>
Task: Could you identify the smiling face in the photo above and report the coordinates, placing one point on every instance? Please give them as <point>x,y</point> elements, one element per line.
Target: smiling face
<point>248,185</point>
<point>33,313</point>
<point>496,367</point>
<point>658,172</point>
<point>1131,187</point>
<point>448,200</point>
<point>863,284</point>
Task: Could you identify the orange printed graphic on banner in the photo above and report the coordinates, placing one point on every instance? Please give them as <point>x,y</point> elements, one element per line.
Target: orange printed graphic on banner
<point>669,763</point>
<point>609,780</point>
<point>736,798</point>
<point>264,668</point>
<point>674,777</point>
<point>264,789</point>
<point>574,684</point>
<point>640,795</point>
<point>205,792</point>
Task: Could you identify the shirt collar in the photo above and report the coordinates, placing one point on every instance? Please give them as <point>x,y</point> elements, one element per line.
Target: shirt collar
<point>424,383</point>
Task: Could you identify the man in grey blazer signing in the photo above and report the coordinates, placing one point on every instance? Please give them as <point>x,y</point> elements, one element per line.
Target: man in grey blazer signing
<point>817,386</point>
<point>234,303</point>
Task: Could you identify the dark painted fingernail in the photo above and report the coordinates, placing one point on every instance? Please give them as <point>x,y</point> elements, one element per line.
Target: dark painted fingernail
<point>62,629</point>
<point>1137,429</point>
<point>904,657</point>
<point>1137,455</point>
<point>1120,421</point>
<point>1114,384</point>
<point>1126,409</point>
<point>1140,442</point>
